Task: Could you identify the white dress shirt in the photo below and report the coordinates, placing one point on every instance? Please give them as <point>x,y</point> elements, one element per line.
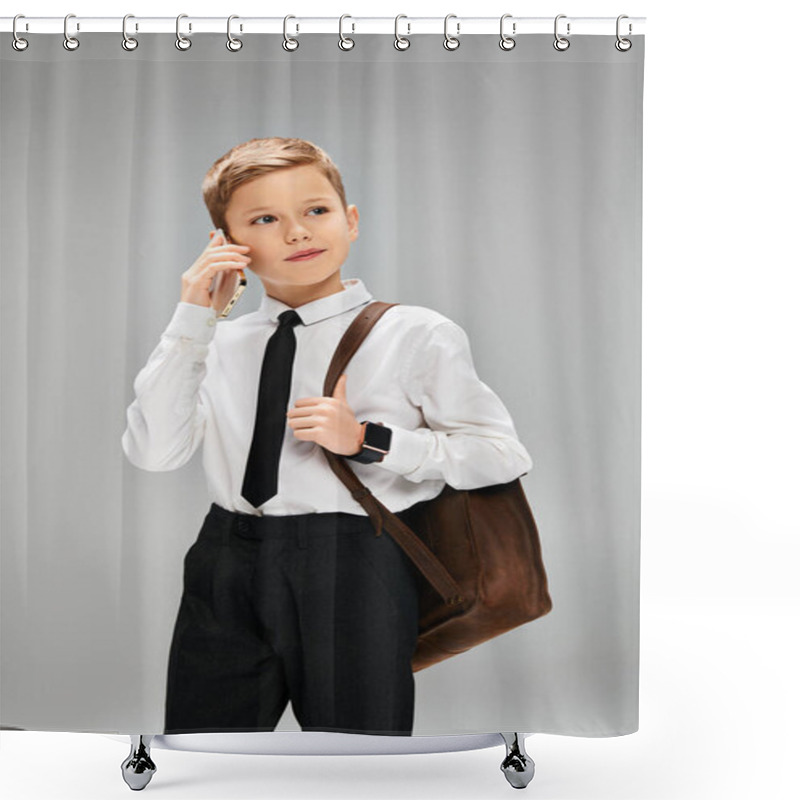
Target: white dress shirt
<point>413,372</point>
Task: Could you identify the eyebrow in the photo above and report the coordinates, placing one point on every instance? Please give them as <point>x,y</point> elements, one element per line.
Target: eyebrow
<point>308,200</point>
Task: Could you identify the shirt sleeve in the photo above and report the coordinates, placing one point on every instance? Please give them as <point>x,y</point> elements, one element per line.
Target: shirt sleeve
<point>470,440</point>
<point>166,420</point>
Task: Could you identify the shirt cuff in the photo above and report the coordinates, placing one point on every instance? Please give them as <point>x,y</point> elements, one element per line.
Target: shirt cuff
<point>406,451</point>
<point>192,321</point>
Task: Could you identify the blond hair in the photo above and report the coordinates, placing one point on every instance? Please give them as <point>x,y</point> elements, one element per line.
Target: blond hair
<point>257,157</point>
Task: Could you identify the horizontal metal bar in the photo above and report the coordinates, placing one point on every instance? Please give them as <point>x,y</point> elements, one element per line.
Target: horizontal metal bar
<point>457,26</point>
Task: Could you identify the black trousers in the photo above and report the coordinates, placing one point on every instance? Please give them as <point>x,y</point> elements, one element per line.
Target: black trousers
<point>312,608</point>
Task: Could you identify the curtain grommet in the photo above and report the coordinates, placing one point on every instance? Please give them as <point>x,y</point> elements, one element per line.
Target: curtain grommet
<point>345,43</point>
<point>17,42</point>
<point>507,42</point>
<point>401,42</point>
<point>451,42</point>
<point>622,44</point>
<point>233,44</point>
<point>561,43</point>
<point>181,41</point>
<point>128,43</point>
<point>290,44</point>
<point>70,42</point>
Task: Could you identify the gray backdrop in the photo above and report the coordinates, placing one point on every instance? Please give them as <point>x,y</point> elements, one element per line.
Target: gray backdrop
<point>501,188</point>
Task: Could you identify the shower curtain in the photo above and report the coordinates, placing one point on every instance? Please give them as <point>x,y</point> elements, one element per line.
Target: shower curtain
<point>498,197</point>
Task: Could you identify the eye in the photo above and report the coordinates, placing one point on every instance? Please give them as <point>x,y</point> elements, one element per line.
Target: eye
<point>265,216</point>
<point>320,208</point>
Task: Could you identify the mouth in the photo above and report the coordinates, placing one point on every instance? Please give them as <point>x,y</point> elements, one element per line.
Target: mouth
<point>305,255</point>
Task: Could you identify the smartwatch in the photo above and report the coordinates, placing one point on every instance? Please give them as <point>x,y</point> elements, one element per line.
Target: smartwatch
<point>377,439</point>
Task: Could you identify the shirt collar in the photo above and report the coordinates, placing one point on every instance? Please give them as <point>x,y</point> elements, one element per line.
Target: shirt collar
<point>355,294</point>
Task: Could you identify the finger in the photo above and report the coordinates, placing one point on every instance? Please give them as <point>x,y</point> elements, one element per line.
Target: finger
<point>229,249</point>
<point>220,266</point>
<point>231,246</point>
<point>310,401</point>
<point>306,411</point>
<point>229,258</point>
<point>218,241</point>
<point>340,390</point>
<point>304,423</point>
<point>209,272</point>
<point>239,259</point>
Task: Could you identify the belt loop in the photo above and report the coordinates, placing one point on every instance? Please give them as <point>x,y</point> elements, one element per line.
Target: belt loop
<point>241,524</point>
<point>302,531</point>
<point>223,521</point>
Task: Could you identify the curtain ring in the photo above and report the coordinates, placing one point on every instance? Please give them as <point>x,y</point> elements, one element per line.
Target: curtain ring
<point>451,42</point>
<point>70,42</point>
<point>181,42</point>
<point>507,42</point>
<point>289,43</point>
<point>128,42</point>
<point>344,42</point>
<point>400,42</point>
<point>18,43</point>
<point>623,45</point>
<point>233,44</point>
<point>560,42</point>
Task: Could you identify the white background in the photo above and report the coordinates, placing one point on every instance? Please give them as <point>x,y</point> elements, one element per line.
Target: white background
<point>720,597</point>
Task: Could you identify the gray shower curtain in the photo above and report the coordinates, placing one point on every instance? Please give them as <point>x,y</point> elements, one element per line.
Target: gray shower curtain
<point>499,189</point>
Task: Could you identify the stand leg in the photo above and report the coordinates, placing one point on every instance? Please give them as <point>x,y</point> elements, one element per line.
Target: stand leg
<point>138,768</point>
<point>517,766</point>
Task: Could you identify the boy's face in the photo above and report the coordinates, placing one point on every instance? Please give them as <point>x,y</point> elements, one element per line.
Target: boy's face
<point>286,212</point>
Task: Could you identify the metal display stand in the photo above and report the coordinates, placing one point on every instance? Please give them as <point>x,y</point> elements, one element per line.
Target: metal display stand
<point>138,768</point>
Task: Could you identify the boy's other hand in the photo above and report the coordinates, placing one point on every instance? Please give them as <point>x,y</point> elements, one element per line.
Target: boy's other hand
<point>328,421</point>
<point>218,256</point>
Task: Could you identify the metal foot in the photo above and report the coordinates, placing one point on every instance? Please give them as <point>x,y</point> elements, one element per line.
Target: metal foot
<point>138,768</point>
<point>517,766</point>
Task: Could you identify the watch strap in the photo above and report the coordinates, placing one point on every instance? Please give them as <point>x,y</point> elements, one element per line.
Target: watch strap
<point>369,454</point>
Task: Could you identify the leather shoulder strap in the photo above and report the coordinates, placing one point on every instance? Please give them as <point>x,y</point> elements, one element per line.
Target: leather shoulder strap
<point>351,340</point>
<point>381,517</point>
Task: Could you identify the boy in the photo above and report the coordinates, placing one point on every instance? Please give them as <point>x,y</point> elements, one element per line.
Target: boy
<point>288,593</point>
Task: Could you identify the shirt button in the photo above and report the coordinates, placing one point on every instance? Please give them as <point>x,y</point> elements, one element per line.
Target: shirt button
<point>211,321</point>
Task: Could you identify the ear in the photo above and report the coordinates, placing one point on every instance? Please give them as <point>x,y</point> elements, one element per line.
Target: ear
<point>352,222</point>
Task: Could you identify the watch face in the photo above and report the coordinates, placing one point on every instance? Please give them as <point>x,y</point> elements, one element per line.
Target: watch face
<point>378,436</point>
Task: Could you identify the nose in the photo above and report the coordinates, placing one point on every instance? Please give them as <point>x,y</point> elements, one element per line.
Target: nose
<point>296,231</point>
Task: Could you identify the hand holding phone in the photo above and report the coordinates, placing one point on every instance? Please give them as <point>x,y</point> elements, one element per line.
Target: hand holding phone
<point>217,278</point>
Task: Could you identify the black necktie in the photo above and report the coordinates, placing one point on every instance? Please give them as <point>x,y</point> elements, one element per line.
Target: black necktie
<point>261,474</point>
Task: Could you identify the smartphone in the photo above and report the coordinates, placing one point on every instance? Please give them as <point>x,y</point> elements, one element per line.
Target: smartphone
<point>221,283</point>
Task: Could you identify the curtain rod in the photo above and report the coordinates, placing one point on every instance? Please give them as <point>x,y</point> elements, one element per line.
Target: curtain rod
<point>297,25</point>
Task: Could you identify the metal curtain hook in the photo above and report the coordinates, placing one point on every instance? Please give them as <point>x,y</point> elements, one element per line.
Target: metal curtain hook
<point>560,42</point>
<point>344,42</point>
<point>623,45</point>
<point>400,42</point>
<point>451,42</point>
<point>289,43</point>
<point>233,44</point>
<point>181,42</point>
<point>507,42</point>
<point>128,42</point>
<point>18,43</point>
<point>70,42</point>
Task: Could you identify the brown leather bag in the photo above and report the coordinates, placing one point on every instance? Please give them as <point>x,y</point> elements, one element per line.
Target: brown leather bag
<point>478,549</point>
